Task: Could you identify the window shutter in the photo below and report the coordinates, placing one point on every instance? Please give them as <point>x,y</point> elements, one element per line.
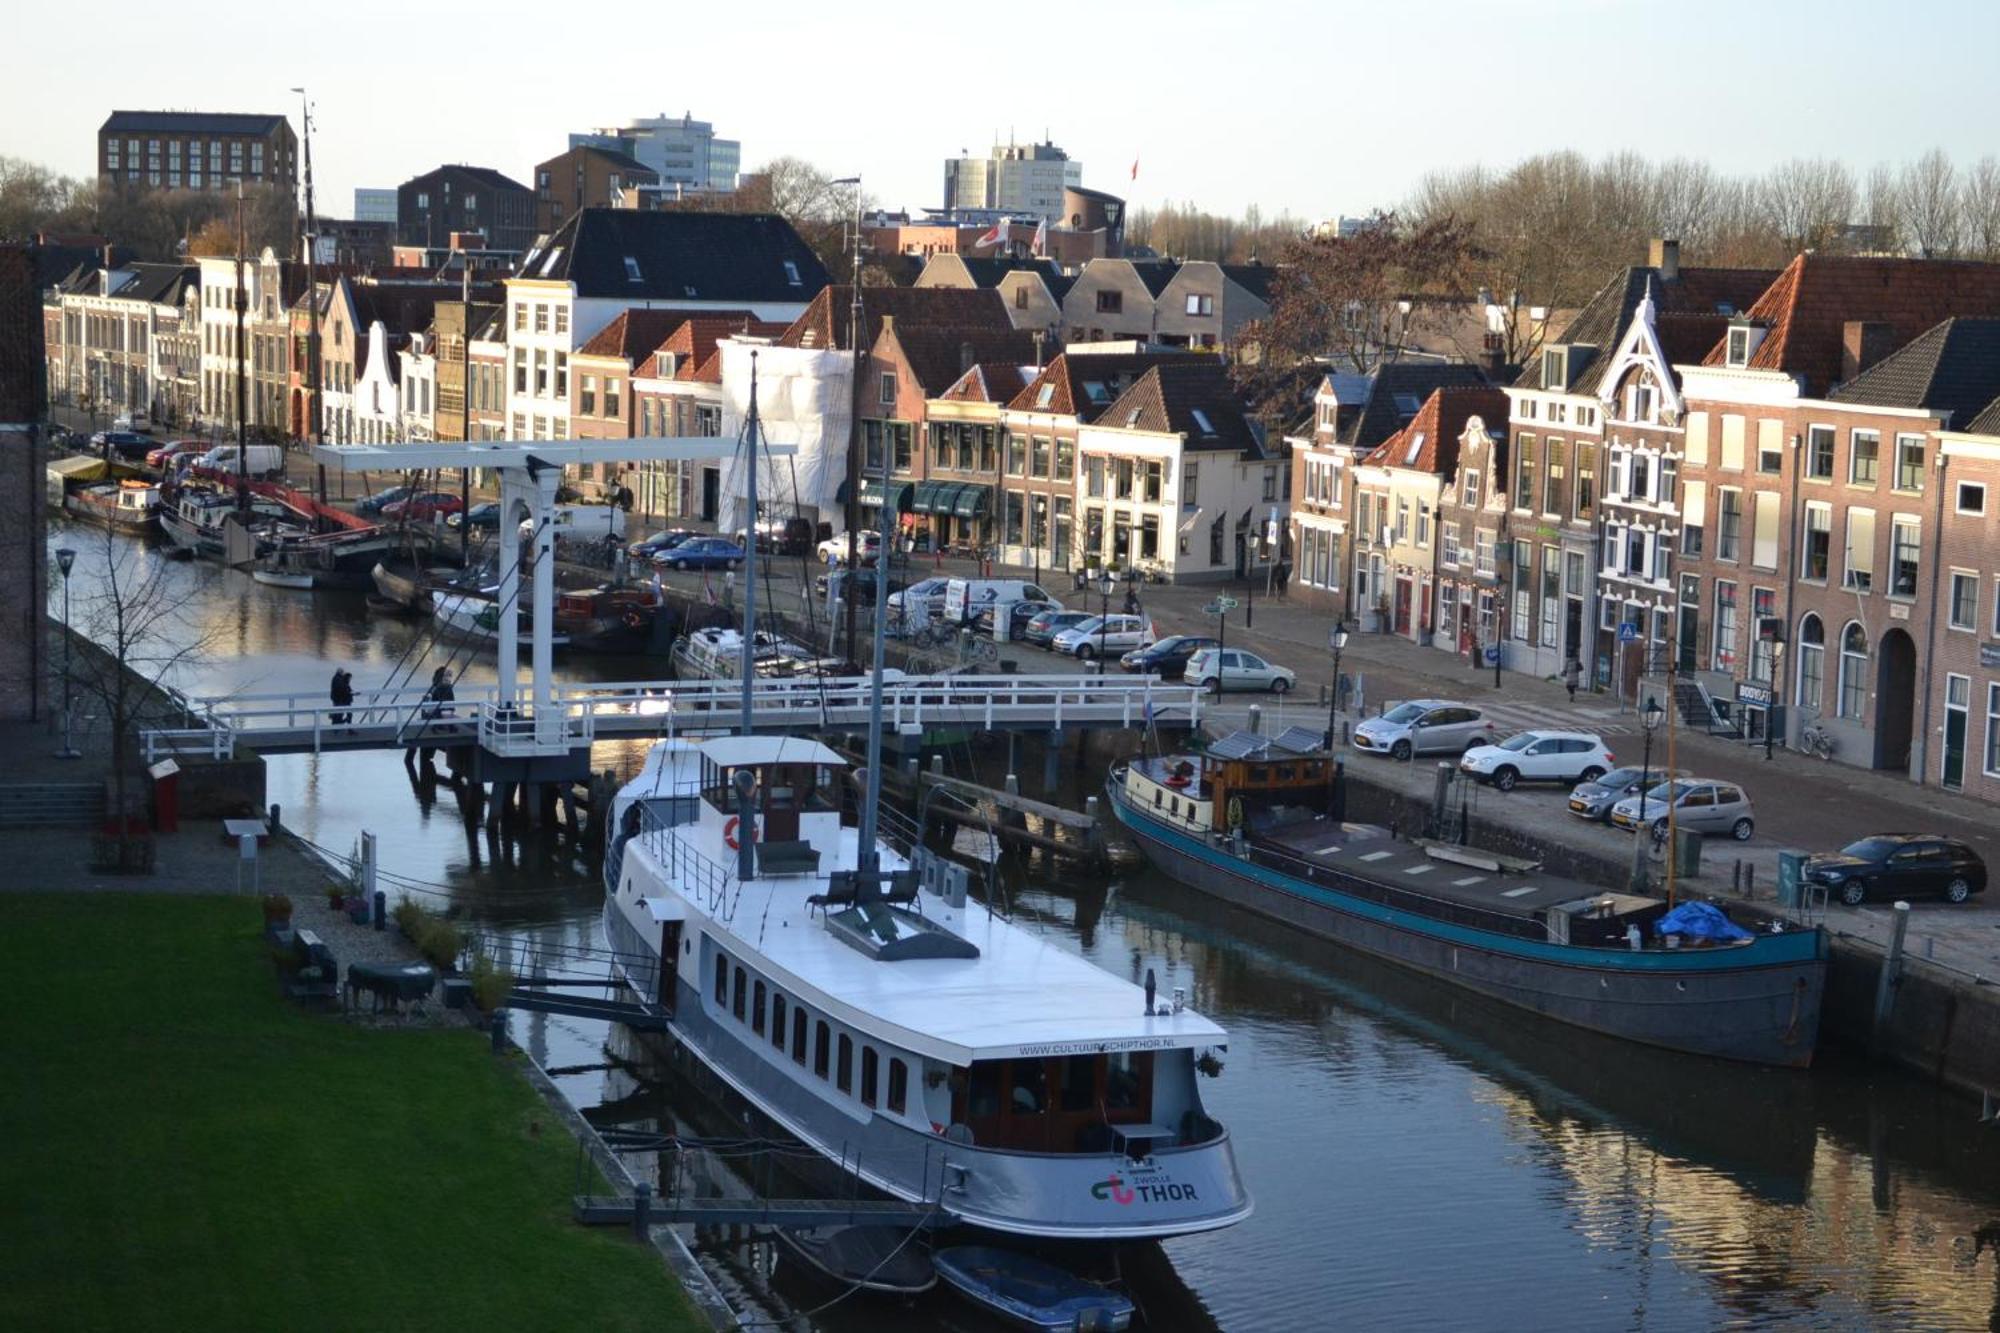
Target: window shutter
<point>1695,443</point>
<point>1861,542</point>
<point>1732,441</point>
<point>1764,540</point>
<point>1694,503</point>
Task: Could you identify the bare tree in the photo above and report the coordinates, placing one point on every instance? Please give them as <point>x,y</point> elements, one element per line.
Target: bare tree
<point>1883,203</point>
<point>1927,191</point>
<point>138,631</point>
<point>1808,201</point>
<point>1980,202</point>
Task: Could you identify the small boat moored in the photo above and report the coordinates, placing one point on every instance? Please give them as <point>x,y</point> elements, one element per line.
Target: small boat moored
<point>874,1258</point>
<point>1031,1292</point>
<point>281,578</point>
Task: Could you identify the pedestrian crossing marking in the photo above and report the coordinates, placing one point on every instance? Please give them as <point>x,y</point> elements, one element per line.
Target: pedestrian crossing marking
<point>1418,870</point>
<point>1377,856</point>
<point>1516,893</point>
<point>1469,879</point>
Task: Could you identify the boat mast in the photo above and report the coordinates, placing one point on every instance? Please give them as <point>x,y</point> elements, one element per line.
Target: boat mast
<point>867,865</point>
<point>242,370</point>
<point>746,858</point>
<point>312,423</point>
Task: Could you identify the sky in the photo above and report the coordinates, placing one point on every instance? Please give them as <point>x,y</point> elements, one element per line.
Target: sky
<point>1316,109</point>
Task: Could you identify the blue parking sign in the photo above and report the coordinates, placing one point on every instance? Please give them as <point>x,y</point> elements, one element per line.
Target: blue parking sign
<point>1628,631</point>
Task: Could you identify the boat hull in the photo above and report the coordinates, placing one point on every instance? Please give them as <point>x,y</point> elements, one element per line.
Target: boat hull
<point>1760,1003</point>
<point>142,523</point>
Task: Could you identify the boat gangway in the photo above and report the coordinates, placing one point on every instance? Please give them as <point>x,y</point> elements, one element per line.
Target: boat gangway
<point>217,726</point>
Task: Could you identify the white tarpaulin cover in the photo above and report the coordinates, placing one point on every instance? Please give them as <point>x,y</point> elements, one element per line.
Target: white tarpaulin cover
<point>804,399</point>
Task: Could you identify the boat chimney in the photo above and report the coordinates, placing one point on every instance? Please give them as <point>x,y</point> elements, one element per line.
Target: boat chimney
<point>1152,988</point>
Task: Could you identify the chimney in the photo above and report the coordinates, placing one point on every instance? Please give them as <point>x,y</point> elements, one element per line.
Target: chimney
<point>1665,255</point>
<point>1493,358</point>
<point>1863,342</point>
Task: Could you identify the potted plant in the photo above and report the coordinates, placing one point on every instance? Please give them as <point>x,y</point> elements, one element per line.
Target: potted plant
<point>277,911</point>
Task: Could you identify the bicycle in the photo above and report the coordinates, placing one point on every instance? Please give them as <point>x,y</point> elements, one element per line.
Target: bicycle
<point>1817,740</point>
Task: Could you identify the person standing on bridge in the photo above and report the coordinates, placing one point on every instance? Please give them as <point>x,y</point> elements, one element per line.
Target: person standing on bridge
<point>440,695</point>
<point>342,695</point>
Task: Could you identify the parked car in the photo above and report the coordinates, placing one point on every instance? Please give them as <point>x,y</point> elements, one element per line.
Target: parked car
<point>1104,635</point>
<point>964,599</point>
<point>1899,865</point>
<point>1539,756</point>
<point>1019,616</point>
<point>137,422</point>
<point>372,504</point>
<point>128,445</point>
<point>702,553</point>
<point>484,516</point>
<point>1168,658</point>
<point>263,460</point>
<point>1424,726</point>
<point>864,587</point>
<point>781,536</point>
<point>648,547</point>
<point>1700,805</point>
<point>423,506</point>
<point>867,546</point>
<point>581,523</point>
<point>158,457</point>
<point>1593,800</point>
<point>1219,669</point>
<point>1043,628</point>
<point>921,600</point>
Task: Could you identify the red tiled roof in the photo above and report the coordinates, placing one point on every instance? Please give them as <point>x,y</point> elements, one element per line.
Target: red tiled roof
<point>1439,423</point>
<point>634,334</point>
<point>1188,396</point>
<point>1807,307</point>
<point>825,321</point>
<point>694,337</point>
<point>988,382</point>
<point>1070,378</point>
<point>937,357</point>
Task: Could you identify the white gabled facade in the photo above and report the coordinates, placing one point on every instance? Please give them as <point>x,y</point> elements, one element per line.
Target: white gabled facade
<point>378,417</point>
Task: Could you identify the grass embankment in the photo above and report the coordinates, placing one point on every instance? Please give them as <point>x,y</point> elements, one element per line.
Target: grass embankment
<point>183,1148</point>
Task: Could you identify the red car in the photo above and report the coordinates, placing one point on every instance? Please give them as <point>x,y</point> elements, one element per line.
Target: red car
<point>158,457</point>
<point>423,505</point>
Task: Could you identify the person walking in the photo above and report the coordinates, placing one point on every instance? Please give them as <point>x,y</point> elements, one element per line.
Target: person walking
<point>1572,676</point>
<point>440,695</point>
<point>342,695</point>
<point>1131,601</point>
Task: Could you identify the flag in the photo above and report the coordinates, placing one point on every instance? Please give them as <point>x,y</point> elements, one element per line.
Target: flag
<point>1135,168</point>
<point>997,234</point>
<point>1042,237</point>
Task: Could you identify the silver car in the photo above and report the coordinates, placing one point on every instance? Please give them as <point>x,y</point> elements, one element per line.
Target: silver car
<point>1700,805</point>
<point>1219,669</point>
<point>1424,726</point>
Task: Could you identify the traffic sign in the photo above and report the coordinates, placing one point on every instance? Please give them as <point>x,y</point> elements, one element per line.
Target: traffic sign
<point>1628,631</point>
<point>1492,657</point>
<point>1220,606</point>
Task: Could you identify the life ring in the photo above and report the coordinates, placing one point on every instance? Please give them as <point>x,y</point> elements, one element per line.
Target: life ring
<point>1235,812</point>
<point>634,619</point>
<point>1178,780</point>
<point>729,833</point>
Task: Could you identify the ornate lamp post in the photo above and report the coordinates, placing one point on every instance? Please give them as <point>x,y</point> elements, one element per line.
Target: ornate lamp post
<point>1336,639</point>
<point>65,560</point>
<point>1649,719</point>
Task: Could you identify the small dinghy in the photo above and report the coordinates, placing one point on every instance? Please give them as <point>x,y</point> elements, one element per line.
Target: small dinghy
<point>874,1258</point>
<point>1032,1293</point>
<point>281,578</point>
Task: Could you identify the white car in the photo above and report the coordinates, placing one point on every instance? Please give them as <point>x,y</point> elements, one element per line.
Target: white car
<point>1105,636</point>
<point>1539,756</point>
<point>1219,669</point>
<point>867,545</point>
<point>1424,726</point>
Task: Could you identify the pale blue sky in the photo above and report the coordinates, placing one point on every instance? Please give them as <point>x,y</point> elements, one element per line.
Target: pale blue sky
<point>1317,108</point>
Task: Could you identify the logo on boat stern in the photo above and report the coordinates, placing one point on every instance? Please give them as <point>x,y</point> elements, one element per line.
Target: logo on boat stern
<point>1120,1191</point>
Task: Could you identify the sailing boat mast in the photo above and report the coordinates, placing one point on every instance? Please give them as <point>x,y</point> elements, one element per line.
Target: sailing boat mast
<point>313,422</point>
<point>242,370</point>
<point>746,859</point>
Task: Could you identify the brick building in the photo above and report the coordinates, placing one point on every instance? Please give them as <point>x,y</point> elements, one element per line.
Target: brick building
<point>586,175</point>
<point>195,150</point>
<point>464,199</point>
<point>1960,688</point>
<point>24,569</point>
<point>961,450</point>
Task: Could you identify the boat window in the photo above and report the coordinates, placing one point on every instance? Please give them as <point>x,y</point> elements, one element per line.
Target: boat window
<point>778,1019</point>
<point>1030,1094</point>
<point>799,1036</point>
<point>757,1007</point>
<point>721,980</point>
<point>983,1098</point>
<point>870,1070</point>
<point>899,1085</point>
<point>1079,1083</point>
<point>1158,796</point>
<point>822,1047</point>
<point>1125,1080</point>
<point>843,1067</point>
<point>1259,773</point>
<point>742,995</point>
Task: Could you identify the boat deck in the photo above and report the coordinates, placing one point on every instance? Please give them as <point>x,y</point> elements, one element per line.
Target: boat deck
<point>1367,852</point>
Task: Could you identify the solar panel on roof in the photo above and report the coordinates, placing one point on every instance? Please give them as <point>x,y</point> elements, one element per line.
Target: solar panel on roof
<point>1238,745</point>
<point>1299,740</point>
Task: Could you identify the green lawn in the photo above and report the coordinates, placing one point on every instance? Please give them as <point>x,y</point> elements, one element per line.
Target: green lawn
<point>180,1147</point>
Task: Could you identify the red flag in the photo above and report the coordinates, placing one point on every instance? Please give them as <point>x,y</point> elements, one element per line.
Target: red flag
<point>1135,168</point>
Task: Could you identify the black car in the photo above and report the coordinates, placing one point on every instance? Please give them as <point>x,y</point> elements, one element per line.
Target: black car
<point>125,444</point>
<point>864,587</point>
<point>1899,865</point>
<point>780,536</point>
<point>1168,658</point>
<point>648,547</point>
<point>482,517</point>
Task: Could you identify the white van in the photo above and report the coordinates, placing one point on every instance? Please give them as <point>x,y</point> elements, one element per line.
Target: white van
<point>964,599</point>
<point>265,459</point>
<point>581,522</point>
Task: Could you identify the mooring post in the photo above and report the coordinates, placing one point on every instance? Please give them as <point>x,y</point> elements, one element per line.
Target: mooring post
<point>368,887</point>
<point>275,822</point>
<point>642,1211</point>
<point>1052,763</point>
<point>497,1025</point>
<point>1336,808</point>
<point>1890,977</point>
<point>1440,798</point>
<point>1256,719</point>
<point>381,902</point>
<point>1093,840</point>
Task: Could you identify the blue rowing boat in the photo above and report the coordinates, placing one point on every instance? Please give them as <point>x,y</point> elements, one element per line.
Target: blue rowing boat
<point>1031,1292</point>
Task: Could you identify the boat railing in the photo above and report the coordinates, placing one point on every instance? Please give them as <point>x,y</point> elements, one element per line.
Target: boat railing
<point>699,877</point>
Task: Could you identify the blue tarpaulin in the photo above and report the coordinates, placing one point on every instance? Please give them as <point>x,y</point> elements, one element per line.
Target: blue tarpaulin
<point>1702,921</point>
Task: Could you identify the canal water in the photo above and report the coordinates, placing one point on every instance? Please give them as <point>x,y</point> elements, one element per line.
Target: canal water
<point>1419,1159</point>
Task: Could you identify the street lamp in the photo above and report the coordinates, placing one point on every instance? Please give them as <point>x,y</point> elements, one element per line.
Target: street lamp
<point>1105,583</point>
<point>65,559</point>
<point>1649,721</point>
<point>1336,639</point>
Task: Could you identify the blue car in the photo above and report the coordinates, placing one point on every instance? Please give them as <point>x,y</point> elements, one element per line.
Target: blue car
<point>702,553</point>
<point>1168,658</point>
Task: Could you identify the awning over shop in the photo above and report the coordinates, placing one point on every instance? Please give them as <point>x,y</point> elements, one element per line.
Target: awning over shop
<point>899,495</point>
<point>934,497</point>
<point>973,499</point>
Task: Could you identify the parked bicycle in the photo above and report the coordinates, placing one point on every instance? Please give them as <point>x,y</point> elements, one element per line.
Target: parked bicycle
<point>1817,740</point>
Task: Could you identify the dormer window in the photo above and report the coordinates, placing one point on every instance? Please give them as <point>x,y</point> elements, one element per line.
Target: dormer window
<point>631,269</point>
<point>1045,395</point>
<point>1200,419</point>
<point>1640,402</point>
<point>1742,343</point>
<point>1416,447</point>
<point>792,274</point>
<point>1555,367</point>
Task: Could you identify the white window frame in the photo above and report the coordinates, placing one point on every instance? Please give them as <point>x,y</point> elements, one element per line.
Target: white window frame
<point>1951,619</point>
<point>1989,762</point>
<point>1958,498</point>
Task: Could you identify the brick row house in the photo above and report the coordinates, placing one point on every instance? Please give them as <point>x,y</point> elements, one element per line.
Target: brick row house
<point>1400,485</point>
<point>116,343</point>
<point>677,392</point>
<point>1961,687</point>
<point>1809,511</point>
<point>962,451</point>
<point>1340,562</point>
